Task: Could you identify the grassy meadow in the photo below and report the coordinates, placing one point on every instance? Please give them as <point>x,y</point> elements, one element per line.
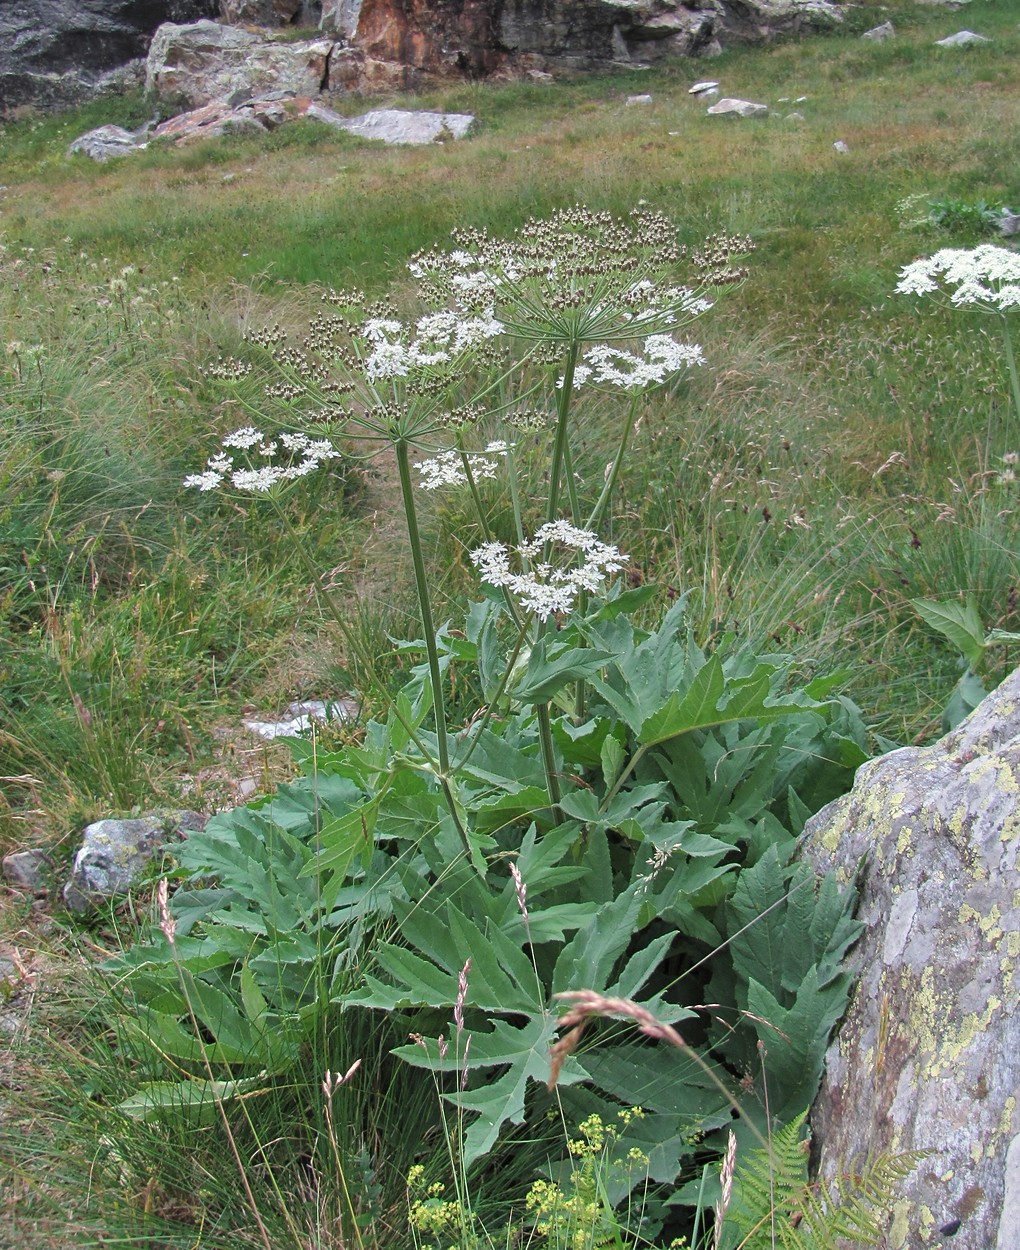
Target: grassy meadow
<point>844,453</point>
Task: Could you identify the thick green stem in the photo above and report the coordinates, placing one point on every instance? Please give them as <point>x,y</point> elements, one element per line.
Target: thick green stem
<point>428,625</point>
<point>548,755</point>
<point>424,603</point>
<point>1014,380</point>
<point>562,426</point>
<point>568,472</point>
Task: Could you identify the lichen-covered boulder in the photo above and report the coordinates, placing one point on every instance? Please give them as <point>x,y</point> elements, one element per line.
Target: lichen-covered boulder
<point>114,853</point>
<point>928,1057</point>
<point>204,61</point>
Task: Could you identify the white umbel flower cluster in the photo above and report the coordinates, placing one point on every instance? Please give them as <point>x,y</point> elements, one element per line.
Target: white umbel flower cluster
<point>446,468</point>
<point>303,455</point>
<point>986,275</point>
<point>437,339</point>
<point>602,365</point>
<point>545,588</point>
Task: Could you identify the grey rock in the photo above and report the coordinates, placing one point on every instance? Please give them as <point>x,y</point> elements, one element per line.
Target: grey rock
<point>260,12</point>
<point>699,88</point>
<point>841,146</point>
<point>54,53</point>
<point>639,99</point>
<point>962,39</point>
<point>114,853</point>
<point>106,143</point>
<point>204,61</point>
<point>794,117</point>
<point>730,107</point>
<point>1009,223</point>
<point>397,126</point>
<point>879,34</point>
<point>928,1056</point>
<point>26,870</point>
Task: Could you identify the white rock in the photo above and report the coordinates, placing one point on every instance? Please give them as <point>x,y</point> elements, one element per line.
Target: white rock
<point>841,146</point>
<point>878,34</point>
<point>962,39</point>
<point>738,108</point>
<point>299,718</point>
<point>397,125</point>
<point>700,88</point>
<point>105,143</point>
<point>639,99</point>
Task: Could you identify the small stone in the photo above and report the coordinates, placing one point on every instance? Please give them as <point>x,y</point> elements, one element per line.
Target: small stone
<point>700,88</point>
<point>962,39</point>
<point>115,853</point>
<point>738,108</point>
<point>639,99</point>
<point>878,34</point>
<point>24,870</point>
<point>841,147</point>
<point>247,788</point>
<point>1009,223</point>
<point>794,117</point>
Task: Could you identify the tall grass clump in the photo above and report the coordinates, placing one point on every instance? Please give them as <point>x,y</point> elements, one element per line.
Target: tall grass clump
<point>122,616</point>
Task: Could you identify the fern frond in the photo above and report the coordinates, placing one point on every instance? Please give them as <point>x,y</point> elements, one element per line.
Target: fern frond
<point>776,1205</point>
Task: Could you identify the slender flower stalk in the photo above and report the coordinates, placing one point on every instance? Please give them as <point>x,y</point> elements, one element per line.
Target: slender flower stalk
<point>421,586</point>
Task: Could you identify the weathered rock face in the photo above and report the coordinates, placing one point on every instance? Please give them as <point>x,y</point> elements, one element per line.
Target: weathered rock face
<point>204,61</point>
<point>58,52</point>
<point>928,1057</point>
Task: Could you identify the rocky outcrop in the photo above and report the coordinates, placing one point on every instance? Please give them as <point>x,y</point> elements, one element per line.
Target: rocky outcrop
<point>58,52</point>
<point>204,61</point>
<point>55,52</point>
<point>928,1057</point>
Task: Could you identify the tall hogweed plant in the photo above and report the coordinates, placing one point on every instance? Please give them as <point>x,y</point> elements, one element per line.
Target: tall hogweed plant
<point>611,807</point>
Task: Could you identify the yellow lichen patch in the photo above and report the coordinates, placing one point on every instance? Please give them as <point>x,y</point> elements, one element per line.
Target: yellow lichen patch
<point>927,1005</point>
<point>989,925</point>
<point>975,1152</point>
<point>900,1230</point>
<point>969,1028</point>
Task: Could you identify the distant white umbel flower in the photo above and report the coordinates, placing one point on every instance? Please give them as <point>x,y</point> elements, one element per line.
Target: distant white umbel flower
<point>987,276</point>
<point>300,454</point>
<point>550,585</point>
<point>446,468</point>
<point>602,365</point>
